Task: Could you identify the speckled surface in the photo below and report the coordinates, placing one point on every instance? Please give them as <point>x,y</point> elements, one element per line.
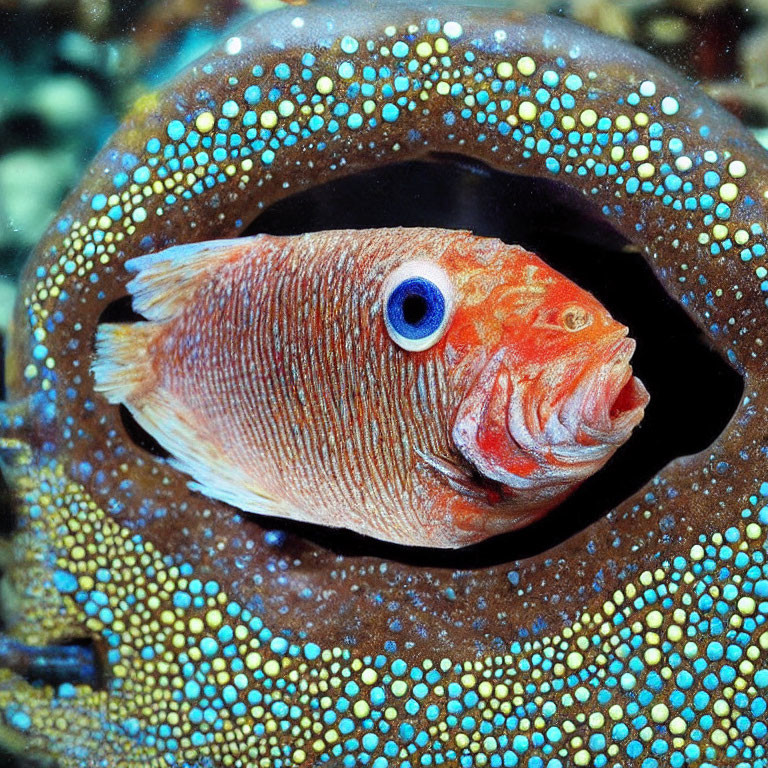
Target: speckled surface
<point>641,641</point>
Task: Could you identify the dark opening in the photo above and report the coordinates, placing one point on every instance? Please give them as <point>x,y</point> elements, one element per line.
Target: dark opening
<point>414,309</point>
<point>139,436</point>
<point>76,662</point>
<point>673,358</point>
<point>120,311</point>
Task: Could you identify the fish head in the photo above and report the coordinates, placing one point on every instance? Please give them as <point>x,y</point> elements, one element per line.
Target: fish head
<point>540,378</point>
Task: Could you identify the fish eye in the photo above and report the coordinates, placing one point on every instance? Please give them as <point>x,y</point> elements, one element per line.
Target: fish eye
<point>418,301</point>
<point>575,318</point>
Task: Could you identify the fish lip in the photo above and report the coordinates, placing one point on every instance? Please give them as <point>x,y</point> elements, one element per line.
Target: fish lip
<point>620,395</point>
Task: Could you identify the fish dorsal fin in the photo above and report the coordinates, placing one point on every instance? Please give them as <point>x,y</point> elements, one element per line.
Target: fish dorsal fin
<point>164,281</point>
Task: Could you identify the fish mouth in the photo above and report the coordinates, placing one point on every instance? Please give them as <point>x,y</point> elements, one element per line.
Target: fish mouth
<point>616,399</point>
<point>503,431</point>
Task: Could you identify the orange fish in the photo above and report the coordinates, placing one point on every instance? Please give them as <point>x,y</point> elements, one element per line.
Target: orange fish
<point>422,386</point>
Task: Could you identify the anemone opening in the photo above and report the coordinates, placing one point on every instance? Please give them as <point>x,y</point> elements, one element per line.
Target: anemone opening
<point>672,357</point>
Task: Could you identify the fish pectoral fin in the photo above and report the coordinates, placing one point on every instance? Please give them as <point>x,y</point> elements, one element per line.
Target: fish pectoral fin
<point>165,281</point>
<point>237,492</point>
<point>196,452</point>
<point>460,478</point>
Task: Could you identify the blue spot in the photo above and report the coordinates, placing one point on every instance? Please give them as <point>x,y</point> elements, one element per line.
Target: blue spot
<point>312,651</point>
<point>18,719</point>
<point>399,49</point>
<point>176,130</point>
<point>65,582</point>
<point>141,175</point>
<point>390,113</point>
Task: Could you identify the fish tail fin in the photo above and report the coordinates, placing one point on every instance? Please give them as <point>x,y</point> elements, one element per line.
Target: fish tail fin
<point>122,367</point>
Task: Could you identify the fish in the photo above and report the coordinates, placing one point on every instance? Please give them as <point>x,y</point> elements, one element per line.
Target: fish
<point>421,386</point>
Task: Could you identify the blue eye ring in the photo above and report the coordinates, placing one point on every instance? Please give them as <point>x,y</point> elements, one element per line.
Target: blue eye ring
<point>418,303</point>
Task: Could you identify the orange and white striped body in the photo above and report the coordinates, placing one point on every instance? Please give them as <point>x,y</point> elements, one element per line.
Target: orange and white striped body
<point>422,386</point>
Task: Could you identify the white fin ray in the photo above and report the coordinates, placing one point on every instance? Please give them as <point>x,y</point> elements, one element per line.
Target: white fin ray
<point>164,281</point>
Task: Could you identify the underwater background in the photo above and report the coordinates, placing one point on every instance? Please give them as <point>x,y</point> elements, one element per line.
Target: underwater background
<point>70,69</point>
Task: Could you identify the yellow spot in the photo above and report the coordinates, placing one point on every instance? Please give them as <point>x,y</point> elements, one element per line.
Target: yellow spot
<point>659,713</point>
<point>737,169</point>
<point>424,49</point>
<point>369,676</point>
<point>526,66</point>
<point>617,154</point>
<point>596,720</point>
<point>441,45</point>
<point>504,69</point>
<point>205,121</point>
<point>527,110</point>
<point>720,231</point>
<point>753,531</point>
<point>268,119</point>
<point>214,619</point>
<point>640,153</point>
<point>697,552</point>
<point>443,88</point>
<point>720,738</point>
<point>361,709</point>
<point>588,118</point>
<point>728,192</point>
<point>654,619</point>
<point>646,170</point>
<point>623,123</point>
<point>653,656</point>
<point>324,85</point>
<point>272,668</point>
<point>574,660</point>
<point>253,660</point>
<point>746,606</point>
<point>677,726</point>
<point>675,633</point>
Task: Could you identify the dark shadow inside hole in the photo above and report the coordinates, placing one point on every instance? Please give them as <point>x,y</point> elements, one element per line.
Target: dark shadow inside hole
<point>673,358</point>
<point>120,311</point>
<point>76,661</point>
<point>7,508</point>
<point>140,436</point>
